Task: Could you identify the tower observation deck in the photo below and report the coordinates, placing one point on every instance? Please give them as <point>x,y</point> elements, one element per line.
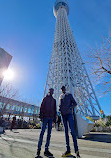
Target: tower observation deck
<point>66,66</point>
<point>60,4</point>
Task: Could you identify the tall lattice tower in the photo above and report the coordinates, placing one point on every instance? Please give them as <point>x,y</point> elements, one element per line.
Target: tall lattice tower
<point>66,66</point>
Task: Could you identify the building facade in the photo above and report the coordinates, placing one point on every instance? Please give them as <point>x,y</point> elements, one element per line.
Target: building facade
<point>15,107</point>
<point>5,60</point>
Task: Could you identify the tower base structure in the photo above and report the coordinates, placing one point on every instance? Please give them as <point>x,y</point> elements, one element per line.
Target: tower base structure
<point>84,125</point>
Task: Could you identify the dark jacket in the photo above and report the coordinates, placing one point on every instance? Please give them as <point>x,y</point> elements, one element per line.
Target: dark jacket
<point>48,107</point>
<point>67,103</point>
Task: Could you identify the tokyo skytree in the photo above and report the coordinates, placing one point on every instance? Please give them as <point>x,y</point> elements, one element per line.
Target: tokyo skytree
<point>67,68</point>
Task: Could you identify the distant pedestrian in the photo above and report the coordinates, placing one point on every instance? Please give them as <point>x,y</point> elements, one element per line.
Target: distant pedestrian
<point>102,115</point>
<point>13,124</point>
<point>2,123</point>
<point>47,115</point>
<point>67,103</point>
<point>58,121</point>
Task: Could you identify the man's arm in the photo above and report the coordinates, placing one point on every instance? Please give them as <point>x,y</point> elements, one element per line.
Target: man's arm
<point>42,108</point>
<point>60,102</point>
<point>73,102</point>
<point>55,110</point>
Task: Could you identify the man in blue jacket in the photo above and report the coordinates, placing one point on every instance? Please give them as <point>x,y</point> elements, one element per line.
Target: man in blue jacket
<point>67,103</point>
<point>47,115</point>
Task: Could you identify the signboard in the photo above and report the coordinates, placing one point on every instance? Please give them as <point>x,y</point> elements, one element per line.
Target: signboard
<point>5,60</point>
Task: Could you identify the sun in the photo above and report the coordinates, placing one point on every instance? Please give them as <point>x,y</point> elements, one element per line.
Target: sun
<point>8,75</point>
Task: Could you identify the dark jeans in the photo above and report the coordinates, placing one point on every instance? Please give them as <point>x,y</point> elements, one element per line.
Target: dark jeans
<point>68,119</point>
<point>46,121</point>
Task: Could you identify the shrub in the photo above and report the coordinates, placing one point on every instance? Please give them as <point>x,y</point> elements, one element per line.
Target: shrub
<point>101,122</point>
<point>108,123</point>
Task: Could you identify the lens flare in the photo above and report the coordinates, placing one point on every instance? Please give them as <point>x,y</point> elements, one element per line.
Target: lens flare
<point>8,75</point>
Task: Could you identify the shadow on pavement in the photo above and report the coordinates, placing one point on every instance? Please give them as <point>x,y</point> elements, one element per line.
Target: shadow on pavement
<point>71,156</point>
<point>2,155</point>
<point>99,137</point>
<point>15,132</point>
<point>44,156</point>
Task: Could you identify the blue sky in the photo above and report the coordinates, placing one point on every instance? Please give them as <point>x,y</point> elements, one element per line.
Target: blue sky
<point>27,32</point>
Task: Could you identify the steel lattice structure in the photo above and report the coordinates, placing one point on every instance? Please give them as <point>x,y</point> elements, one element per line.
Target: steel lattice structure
<point>66,66</point>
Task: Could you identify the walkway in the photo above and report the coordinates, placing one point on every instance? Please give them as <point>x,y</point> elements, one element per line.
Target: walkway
<point>22,144</point>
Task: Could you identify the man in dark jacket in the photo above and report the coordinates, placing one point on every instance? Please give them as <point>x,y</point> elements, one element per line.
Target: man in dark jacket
<point>13,124</point>
<point>67,103</point>
<point>47,115</point>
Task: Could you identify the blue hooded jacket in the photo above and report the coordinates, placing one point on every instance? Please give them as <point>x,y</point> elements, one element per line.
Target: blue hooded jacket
<point>67,102</point>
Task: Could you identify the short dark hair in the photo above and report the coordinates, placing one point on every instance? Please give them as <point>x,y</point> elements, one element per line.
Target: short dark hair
<point>51,89</point>
<point>63,87</point>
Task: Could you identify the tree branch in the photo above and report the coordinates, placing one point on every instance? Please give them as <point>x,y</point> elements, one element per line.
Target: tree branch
<point>106,70</point>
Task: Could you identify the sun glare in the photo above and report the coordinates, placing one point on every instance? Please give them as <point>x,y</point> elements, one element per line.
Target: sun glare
<point>9,75</point>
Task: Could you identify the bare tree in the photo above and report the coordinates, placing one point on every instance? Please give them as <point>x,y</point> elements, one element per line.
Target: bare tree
<point>100,63</point>
<point>7,92</point>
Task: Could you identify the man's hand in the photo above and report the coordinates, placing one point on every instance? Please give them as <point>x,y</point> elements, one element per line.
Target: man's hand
<point>41,117</point>
<point>54,120</point>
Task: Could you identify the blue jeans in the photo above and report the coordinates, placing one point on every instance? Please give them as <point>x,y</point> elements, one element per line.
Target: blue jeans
<point>44,125</point>
<point>68,119</point>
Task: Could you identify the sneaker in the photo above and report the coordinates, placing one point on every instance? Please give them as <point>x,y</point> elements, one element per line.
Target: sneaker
<point>67,153</point>
<point>38,154</point>
<point>48,153</point>
<point>77,154</point>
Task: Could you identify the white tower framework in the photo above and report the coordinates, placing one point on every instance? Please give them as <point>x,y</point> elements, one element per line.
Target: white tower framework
<point>66,66</point>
